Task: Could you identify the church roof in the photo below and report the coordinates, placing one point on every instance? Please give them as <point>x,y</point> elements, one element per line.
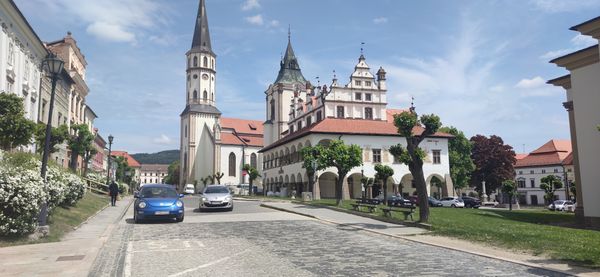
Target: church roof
<point>553,152</point>
<point>232,139</point>
<point>243,126</point>
<point>201,40</point>
<point>289,71</point>
<point>200,108</point>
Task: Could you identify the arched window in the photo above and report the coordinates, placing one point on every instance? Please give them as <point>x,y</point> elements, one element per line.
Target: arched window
<point>213,63</point>
<point>205,62</point>
<point>232,167</point>
<point>205,95</point>
<point>188,62</point>
<point>195,94</point>
<point>253,160</point>
<point>195,61</point>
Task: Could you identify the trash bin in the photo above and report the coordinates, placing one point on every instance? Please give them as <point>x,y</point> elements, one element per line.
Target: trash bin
<point>307,196</point>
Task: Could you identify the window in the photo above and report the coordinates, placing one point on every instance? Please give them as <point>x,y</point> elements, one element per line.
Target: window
<point>340,111</point>
<point>213,63</point>
<point>43,109</point>
<point>368,113</point>
<point>253,162</point>
<point>532,182</point>
<point>520,172</point>
<point>299,125</point>
<point>205,62</point>
<point>556,170</point>
<point>569,170</point>
<point>9,85</point>
<point>437,159</point>
<point>543,171</point>
<point>358,83</point>
<point>195,94</point>
<point>189,62</point>
<point>358,96</point>
<point>185,132</point>
<point>232,168</point>
<point>205,95</point>
<point>11,53</point>
<point>367,97</point>
<point>195,61</point>
<point>308,120</point>
<point>291,129</point>
<point>376,155</point>
<point>26,75</point>
<point>521,183</point>
<point>319,116</point>
<point>367,83</point>
<point>272,109</point>
<point>530,171</point>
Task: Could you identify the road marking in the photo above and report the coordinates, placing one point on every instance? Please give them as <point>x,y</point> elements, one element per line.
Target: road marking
<point>128,256</point>
<point>163,250</point>
<point>208,264</point>
<point>186,244</point>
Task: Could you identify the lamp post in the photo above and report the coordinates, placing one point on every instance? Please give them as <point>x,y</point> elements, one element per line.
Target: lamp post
<point>54,66</point>
<point>110,141</point>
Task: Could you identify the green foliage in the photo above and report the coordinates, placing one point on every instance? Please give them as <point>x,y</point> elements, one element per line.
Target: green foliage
<point>550,184</point>
<point>403,156</point>
<point>252,175</point>
<point>207,180</point>
<point>341,156</point>
<point>57,136</point>
<point>15,129</point>
<point>432,124</point>
<point>163,157</point>
<point>509,188</point>
<point>80,143</point>
<point>405,122</point>
<point>383,173</point>
<point>172,177</point>
<point>124,171</point>
<point>461,164</point>
<point>493,161</point>
<point>573,190</point>
<point>217,176</point>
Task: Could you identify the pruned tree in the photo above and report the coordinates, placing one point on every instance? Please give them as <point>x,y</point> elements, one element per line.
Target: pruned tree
<point>510,189</point>
<point>383,173</point>
<point>79,143</point>
<point>341,156</point>
<point>459,153</point>
<point>217,176</point>
<point>493,161</point>
<point>58,135</point>
<point>310,162</point>
<point>550,184</point>
<point>252,175</point>
<point>15,129</point>
<point>407,122</point>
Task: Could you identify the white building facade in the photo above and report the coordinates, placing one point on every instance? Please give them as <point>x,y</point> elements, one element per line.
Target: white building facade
<point>153,173</point>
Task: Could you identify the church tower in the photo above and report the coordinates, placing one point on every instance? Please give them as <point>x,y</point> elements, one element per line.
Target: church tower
<point>200,129</point>
<point>289,82</point>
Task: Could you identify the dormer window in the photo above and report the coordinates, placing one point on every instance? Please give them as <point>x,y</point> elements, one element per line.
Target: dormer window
<point>252,126</point>
<point>357,83</point>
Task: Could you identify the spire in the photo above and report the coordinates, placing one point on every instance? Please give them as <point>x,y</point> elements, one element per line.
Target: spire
<point>290,69</point>
<point>201,40</point>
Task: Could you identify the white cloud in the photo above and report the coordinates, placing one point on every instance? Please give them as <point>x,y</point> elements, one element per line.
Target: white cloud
<point>250,4</point>
<point>578,42</point>
<point>583,41</point>
<point>554,54</point>
<point>163,140</point>
<point>557,6</point>
<point>379,20</point>
<point>535,82</point>
<point>109,31</point>
<point>274,23</point>
<point>255,20</point>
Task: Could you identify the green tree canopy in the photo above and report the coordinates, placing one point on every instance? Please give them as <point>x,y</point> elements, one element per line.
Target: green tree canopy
<point>341,156</point>
<point>493,161</point>
<point>413,155</point>
<point>15,129</point>
<point>58,135</point>
<point>252,175</point>
<point>509,188</point>
<point>383,173</point>
<point>550,184</point>
<point>80,143</point>
<point>461,164</point>
<point>173,174</point>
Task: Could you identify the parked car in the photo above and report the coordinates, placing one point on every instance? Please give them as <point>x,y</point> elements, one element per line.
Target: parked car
<point>158,202</point>
<point>216,197</point>
<point>395,200</point>
<point>242,189</point>
<point>570,207</point>
<point>434,202</point>
<point>471,202</point>
<point>559,205</point>
<point>453,202</point>
<point>189,189</point>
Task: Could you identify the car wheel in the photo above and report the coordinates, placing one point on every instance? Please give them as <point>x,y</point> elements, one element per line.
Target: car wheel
<point>180,219</point>
<point>453,206</point>
<point>135,218</point>
<point>468,206</point>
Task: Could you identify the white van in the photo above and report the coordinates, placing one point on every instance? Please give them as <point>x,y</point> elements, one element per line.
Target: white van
<point>189,189</point>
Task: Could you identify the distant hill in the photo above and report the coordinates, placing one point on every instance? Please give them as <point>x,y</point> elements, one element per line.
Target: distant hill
<point>163,157</point>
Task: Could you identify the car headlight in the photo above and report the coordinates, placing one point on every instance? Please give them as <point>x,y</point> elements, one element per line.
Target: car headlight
<point>204,199</point>
<point>179,203</point>
<point>228,198</point>
<point>142,205</point>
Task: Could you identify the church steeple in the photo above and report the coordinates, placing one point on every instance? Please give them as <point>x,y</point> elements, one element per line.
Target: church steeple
<point>289,71</point>
<point>201,40</point>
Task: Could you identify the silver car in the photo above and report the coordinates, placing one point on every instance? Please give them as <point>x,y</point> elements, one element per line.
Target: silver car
<point>216,197</point>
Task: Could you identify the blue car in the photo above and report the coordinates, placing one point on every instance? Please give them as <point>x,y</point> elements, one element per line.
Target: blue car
<point>158,202</point>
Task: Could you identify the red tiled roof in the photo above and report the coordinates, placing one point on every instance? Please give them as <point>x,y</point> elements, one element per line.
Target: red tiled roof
<point>231,139</point>
<point>350,126</point>
<point>519,156</point>
<point>243,126</point>
<point>392,112</point>
<point>553,152</point>
<point>130,160</point>
<point>569,159</point>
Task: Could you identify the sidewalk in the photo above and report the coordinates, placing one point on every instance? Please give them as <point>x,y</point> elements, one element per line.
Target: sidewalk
<point>73,256</point>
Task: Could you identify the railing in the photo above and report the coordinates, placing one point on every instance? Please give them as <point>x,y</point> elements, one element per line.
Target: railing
<point>89,186</point>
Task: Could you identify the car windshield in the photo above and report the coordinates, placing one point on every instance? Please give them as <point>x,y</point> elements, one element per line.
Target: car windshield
<point>216,190</point>
<point>158,192</point>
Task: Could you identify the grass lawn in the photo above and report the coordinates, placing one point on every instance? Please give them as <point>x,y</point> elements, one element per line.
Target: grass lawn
<point>64,220</point>
<point>535,231</point>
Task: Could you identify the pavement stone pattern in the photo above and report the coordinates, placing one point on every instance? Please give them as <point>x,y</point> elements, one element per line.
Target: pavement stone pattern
<point>282,248</point>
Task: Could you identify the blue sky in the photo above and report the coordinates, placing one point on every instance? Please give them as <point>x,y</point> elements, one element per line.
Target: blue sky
<point>480,65</point>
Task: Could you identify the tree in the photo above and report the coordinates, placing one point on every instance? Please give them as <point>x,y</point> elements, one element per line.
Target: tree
<point>218,177</point>
<point>310,162</point>
<point>383,173</point>
<point>173,173</point>
<point>79,143</point>
<point>461,164</point>
<point>341,156</point>
<point>413,155</point>
<point>57,136</point>
<point>510,189</point>
<point>493,161</point>
<point>573,190</point>
<point>122,170</point>
<point>252,175</point>
<point>367,182</point>
<point>15,129</point>
<point>550,184</point>
<point>89,153</point>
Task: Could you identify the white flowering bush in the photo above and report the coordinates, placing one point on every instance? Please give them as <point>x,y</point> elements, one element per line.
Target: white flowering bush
<point>75,189</point>
<point>55,187</point>
<point>21,192</point>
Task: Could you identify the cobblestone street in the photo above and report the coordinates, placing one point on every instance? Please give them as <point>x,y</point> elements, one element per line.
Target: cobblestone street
<point>281,244</point>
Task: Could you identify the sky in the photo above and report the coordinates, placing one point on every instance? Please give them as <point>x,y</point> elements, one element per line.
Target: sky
<point>482,66</point>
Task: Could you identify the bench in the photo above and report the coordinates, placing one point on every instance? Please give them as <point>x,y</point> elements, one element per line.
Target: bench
<point>406,210</point>
<point>357,207</point>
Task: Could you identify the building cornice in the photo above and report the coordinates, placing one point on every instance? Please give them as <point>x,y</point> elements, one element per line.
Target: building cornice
<point>562,81</point>
<point>579,58</point>
<point>589,28</point>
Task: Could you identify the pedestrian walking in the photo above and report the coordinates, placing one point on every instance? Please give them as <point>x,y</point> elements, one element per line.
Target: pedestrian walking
<point>113,191</point>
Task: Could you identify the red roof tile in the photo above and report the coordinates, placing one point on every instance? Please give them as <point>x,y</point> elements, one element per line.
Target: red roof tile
<point>392,112</point>
<point>231,139</point>
<point>553,152</point>
<point>519,156</point>
<point>569,159</point>
<point>243,126</point>
<point>130,160</point>
<point>554,145</point>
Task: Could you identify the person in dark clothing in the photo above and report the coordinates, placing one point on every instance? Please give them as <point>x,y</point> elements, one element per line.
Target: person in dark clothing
<point>113,191</point>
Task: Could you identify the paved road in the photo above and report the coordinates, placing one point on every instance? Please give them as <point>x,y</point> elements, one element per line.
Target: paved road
<point>255,241</point>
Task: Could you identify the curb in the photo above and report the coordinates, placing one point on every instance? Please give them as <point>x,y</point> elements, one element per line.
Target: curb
<point>125,210</point>
<point>89,218</point>
<point>422,242</point>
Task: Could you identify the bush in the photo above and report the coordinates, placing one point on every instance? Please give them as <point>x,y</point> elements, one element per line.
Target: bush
<point>21,192</point>
<point>55,187</point>
<point>97,180</point>
<point>123,188</point>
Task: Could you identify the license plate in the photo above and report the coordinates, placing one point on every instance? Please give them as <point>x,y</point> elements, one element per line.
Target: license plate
<point>161,212</point>
<point>215,202</point>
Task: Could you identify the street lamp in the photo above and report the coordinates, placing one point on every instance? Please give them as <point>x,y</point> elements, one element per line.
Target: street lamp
<point>54,66</point>
<point>110,141</point>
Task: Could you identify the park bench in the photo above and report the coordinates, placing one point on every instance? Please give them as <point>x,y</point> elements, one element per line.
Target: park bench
<point>406,210</point>
<point>357,207</point>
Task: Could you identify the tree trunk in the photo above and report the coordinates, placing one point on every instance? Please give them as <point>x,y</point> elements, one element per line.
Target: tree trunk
<point>311,180</point>
<point>73,163</point>
<point>385,199</point>
<point>250,186</point>
<point>510,203</point>
<point>416,169</point>
<point>338,189</point>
